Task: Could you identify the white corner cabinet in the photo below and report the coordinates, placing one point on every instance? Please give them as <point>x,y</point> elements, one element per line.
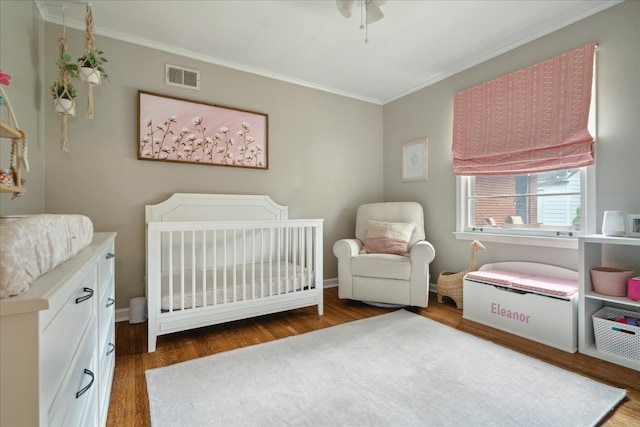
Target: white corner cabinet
<point>57,343</point>
<point>593,252</point>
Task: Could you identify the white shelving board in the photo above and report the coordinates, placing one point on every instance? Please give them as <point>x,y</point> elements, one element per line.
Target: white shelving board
<point>595,251</point>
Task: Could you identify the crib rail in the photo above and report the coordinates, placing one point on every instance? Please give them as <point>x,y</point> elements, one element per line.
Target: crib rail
<point>205,264</point>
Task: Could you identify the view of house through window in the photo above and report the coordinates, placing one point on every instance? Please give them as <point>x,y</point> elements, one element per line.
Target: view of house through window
<point>547,201</point>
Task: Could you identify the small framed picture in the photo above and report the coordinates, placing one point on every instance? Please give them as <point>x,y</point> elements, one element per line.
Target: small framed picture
<point>633,225</point>
<point>415,159</point>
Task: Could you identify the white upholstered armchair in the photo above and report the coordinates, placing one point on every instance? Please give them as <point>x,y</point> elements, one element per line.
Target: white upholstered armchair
<point>371,267</point>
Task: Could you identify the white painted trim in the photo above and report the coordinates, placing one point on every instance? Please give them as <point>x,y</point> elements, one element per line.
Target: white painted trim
<point>330,283</point>
<point>549,242</point>
<point>80,25</point>
<point>122,315</point>
<point>507,48</point>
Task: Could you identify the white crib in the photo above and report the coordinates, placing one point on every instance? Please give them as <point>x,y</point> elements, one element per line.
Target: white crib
<point>214,258</point>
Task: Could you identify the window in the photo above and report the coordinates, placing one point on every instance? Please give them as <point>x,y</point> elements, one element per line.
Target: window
<point>523,153</point>
<point>546,203</point>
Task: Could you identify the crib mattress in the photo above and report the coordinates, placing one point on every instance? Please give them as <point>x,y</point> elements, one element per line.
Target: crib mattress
<point>244,282</point>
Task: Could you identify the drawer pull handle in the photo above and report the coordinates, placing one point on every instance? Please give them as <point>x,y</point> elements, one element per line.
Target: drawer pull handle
<point>88,386</point>
<point>85,297</point>
<point>112,348</point>
<point>110,302</point>
<point>110,255</point>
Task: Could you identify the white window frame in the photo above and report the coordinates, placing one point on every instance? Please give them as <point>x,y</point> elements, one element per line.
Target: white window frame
<point>587,209</point>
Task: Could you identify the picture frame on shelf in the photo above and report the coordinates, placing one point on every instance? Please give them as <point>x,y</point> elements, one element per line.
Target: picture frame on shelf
<point>172,129</point>
<point>415,160</point>
<point>633,225</point>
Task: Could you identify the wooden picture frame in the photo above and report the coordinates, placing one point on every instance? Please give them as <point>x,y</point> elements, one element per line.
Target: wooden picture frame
<point>415,160</point>
<point>179,130</point>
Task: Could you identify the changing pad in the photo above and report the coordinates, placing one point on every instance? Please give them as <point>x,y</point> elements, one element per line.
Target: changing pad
<point>33,245</point>
<point>527,282</point>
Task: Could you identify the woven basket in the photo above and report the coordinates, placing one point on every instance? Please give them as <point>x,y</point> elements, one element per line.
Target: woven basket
<point>450,285</point>
<point>616,338</point>
<point>610,281</point>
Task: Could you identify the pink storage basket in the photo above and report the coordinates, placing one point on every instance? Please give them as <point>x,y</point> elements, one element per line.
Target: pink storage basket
<point>610,281</point>
<point>633,291</point>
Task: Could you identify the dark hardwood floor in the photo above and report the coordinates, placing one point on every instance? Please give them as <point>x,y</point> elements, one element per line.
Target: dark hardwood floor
<point>130,407</point>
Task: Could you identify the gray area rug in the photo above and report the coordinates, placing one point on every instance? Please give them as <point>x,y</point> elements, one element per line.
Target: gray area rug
<point>397,369</point>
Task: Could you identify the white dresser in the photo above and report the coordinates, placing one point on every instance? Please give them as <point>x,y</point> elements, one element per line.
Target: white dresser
<point>57,343</point>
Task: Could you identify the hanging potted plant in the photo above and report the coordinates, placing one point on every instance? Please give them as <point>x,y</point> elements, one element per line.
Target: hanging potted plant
<point>91,69</point>
<point>63,98</point>
<point>63,91</point>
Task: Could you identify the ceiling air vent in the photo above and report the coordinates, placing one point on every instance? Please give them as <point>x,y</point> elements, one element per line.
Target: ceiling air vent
<point>182,77</point>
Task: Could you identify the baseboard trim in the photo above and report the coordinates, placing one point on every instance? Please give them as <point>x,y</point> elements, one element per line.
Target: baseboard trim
<point>330,283</point>
<point>122,315</point>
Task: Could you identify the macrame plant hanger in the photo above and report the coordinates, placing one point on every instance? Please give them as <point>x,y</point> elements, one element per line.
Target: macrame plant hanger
<point>63,80</point>
<point>19,151</point>
<point>90,45</point>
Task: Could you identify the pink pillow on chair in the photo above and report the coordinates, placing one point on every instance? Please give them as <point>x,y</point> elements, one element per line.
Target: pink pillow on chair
<point>388,237</point>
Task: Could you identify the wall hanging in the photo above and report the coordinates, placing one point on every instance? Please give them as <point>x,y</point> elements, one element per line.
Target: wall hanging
<point>415,159</point>
<point>178,130</point>
<point>62,90</point>
<point>90,64</point>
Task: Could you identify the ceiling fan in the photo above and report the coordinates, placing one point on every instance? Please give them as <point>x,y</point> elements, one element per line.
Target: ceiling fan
<point>369,11</point>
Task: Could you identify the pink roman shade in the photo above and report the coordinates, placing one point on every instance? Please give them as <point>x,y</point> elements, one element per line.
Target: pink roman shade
<point>531,120</point>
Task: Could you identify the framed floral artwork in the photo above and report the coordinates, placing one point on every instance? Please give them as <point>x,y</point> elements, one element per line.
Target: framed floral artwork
<point>179,130</point>
<point>415,160</point>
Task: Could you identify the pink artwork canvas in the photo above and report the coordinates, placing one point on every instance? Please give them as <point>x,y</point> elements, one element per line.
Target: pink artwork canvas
<point>178,130</point>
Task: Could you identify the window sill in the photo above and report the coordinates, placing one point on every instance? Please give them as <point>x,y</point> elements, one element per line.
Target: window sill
<point>549,242</point>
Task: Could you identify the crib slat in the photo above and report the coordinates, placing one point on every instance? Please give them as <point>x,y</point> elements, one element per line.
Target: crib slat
<point>182,269</point>
<point>204,268</point>
<point>278,256</point>
<point>235,251</point>
<point>287,257</point>
<point>244,265</point>
<point>309,263</point>
<point>170,271</point>
<point>215,267</point>
<point>253,263</point>
<point>295,258</point>
<point>224,268</point>
<point>193,268</point>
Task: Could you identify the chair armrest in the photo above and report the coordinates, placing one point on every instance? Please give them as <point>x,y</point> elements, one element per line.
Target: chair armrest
<point>422,251</point>
<point>347,248</point>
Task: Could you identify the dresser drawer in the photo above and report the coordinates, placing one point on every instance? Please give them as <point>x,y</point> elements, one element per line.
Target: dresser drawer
<point>78,391</point>
<point>106,314</point>
<point>106,265</point>
<point>61,337</point>
<point>108,345</point>
<point>107,365</point>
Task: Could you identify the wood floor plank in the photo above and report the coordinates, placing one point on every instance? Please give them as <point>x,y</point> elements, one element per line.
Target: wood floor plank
<point>129,404</point>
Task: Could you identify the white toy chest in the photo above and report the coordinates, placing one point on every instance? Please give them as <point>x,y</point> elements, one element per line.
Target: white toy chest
<point>542,315</point>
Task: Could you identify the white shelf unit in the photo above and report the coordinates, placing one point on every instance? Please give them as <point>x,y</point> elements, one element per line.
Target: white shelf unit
<point>10,132</point>
<point>592,250</point>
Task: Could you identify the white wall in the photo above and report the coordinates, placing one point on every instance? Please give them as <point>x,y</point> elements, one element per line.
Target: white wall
<point>21,30</point>
<point>325,151</point>
<point>429,113</point>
